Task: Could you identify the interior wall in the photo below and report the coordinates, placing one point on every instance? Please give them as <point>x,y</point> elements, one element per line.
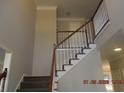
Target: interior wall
<point>116,14</point>
<point>106,67</point>
<point>117,68</point>
<point>107,74</point>
<point>17,34</point>
<point>71,24</point>
<point>45,37</point>
<point>90,68</point>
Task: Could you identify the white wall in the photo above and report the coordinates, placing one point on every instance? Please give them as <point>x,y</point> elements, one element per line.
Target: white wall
<point>90,68</point>
<point>45,37</point>
<point>117,68</point>
<point>116,13</point>
<point>116,16</point>
<point>17,34</point>
<point>69,24</point>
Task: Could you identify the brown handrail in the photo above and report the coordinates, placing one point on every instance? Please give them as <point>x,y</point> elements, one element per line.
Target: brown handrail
<point>53,67</point>
<point>72,34</point>
<point>3,76</point>
<point>52,70</point>
<point>82,25</point>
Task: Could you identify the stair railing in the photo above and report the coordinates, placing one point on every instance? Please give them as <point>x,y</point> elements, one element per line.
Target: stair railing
<point>74,44</point>
<point>3,79</point>
<point>53,70</point>
<point>100,18</point>
<point>68,48</point>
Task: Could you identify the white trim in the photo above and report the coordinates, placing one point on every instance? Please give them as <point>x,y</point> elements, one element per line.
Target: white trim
<point>20,82</point>
<point>71,19</point>
<point>46,7</point>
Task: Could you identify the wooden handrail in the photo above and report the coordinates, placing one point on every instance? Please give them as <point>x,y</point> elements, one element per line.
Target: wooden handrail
<point>82,25</point>
<point>72,34</point>
<point>3,76</point>
<point>53,67</point>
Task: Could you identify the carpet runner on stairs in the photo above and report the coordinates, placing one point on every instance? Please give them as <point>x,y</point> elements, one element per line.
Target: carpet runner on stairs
<point>34,84</point>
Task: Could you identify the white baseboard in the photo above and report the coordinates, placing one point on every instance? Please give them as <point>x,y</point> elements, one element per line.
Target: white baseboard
<point>19,82</point>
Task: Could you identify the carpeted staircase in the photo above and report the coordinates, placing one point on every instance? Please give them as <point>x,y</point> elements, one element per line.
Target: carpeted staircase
<point>34,84</point>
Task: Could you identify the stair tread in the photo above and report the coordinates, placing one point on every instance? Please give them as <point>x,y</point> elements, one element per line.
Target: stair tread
<point>33,90</point>
<point>80,53</point>
<point>35,82</point>
<point>68,64</point>
<point>74,59</point>
<point>60,70</point>
<point>34,86</point>
<point>36,78</point>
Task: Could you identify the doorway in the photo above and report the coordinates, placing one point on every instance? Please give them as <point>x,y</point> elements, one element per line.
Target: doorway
<point>112,54</point>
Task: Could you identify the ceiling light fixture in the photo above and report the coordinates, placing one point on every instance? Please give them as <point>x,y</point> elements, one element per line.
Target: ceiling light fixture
<point>118,49</point>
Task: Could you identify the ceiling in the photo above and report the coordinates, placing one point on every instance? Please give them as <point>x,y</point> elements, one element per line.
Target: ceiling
<point>72,8</point>
<point>107,50</point>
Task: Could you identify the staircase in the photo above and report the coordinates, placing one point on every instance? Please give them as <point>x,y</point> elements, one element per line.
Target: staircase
<point>34,84</point>
<point>74,46</point>
<point>68,52</point>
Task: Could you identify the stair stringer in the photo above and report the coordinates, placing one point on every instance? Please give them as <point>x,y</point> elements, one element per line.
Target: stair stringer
<point>60,74</point>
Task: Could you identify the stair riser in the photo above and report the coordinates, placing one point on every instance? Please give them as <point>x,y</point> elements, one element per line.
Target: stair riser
<point>35,79</point>
<point>34,86</point>
<point>33,90</point>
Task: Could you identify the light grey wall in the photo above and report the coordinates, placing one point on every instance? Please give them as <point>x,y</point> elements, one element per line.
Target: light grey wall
<point>90,68</point>
<point>116,16</point>
<point>116,13</point>
<point>69,24</point>
<point>45,37</point>
<point>17,34</point>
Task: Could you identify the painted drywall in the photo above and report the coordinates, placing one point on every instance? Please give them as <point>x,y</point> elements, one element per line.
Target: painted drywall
<point>69,24</point>
<point>17,34</point>
<point>116,14</point>
<point>45,37</point>
<point>90,68</point>
<point>117,68</point>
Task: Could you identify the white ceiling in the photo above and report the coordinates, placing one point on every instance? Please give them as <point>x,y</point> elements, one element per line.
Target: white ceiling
<point>107,50</point>
<point>72,8</point>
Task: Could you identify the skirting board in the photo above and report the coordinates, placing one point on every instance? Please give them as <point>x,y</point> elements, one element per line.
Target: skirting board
<point>19,82</point>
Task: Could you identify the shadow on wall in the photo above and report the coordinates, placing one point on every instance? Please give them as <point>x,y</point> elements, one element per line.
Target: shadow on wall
<point>2,57</point>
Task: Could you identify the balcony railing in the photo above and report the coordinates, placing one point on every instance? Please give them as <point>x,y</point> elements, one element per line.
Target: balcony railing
<point>101,18</point>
